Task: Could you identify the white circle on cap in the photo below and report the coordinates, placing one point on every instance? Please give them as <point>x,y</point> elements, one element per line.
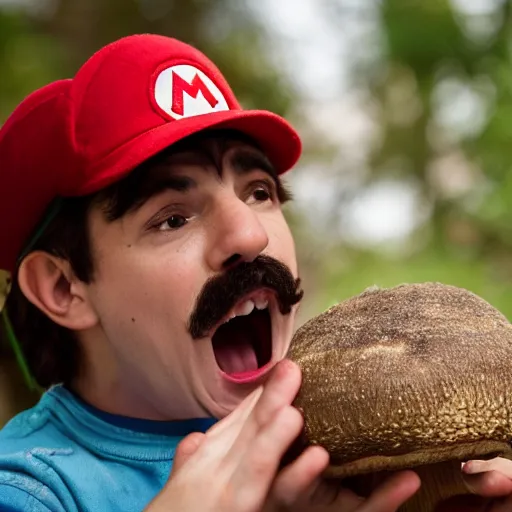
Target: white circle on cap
<point>185,91</point>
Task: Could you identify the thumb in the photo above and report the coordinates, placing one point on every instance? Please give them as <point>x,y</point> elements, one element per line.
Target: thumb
<point>490,478</point>
<point>185,449</point>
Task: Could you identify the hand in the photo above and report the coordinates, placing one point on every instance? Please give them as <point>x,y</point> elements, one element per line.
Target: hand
<point>387,497</point>
<point>234,467</point>
<point>491,479</point>
<point>491,483</point>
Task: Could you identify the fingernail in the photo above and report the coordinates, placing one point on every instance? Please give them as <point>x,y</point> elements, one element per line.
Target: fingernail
<point>286,365</point>
<point>280,368</point>
<point>470,467</point>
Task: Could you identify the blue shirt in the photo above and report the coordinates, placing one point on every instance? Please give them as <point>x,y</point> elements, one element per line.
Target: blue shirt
<point>66,456</point>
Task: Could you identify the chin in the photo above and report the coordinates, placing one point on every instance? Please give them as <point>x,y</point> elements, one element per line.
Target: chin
<point>245,347</point>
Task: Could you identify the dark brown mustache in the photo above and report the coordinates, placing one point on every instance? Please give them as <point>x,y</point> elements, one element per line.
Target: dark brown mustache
<point>221,293</point>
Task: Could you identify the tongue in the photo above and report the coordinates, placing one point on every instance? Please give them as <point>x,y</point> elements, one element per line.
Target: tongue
<point>237,359</point>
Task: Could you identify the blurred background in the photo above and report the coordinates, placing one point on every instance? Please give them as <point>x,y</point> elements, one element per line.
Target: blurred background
<point>404,106</point>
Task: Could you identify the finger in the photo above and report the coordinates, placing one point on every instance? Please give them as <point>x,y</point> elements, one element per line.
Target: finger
<point>279,392</point>
<point>299,480</point>
<point>328,494</point>
<point>489,484</point>
<point>262,404</point>
<point>238,416</point>
<point>224,433</point>
<point>500,464</point>
<point>253,476</point>
<point>185,449</point>
<point>395,491</point>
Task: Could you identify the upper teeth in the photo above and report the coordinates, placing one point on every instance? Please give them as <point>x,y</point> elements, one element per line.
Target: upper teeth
<point>260,303</point>
<point>246,308</point>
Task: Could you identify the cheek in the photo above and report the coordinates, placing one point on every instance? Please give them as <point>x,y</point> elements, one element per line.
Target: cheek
<point>153,292</point>
<point>281,244</point>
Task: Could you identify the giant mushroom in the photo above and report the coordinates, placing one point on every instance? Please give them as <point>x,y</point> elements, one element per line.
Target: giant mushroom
<point>417,376</point>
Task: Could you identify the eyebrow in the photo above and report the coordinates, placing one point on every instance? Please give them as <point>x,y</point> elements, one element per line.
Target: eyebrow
<point>168,182</point>
<point>160,184</point>
<point>247,160</point>
<point>243,162</point>
<point>150,180</point>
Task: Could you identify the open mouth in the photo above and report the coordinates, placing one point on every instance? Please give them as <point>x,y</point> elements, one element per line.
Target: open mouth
<point>242,344</point>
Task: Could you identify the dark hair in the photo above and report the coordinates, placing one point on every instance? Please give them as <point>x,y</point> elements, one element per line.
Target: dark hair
<point>52,352</point>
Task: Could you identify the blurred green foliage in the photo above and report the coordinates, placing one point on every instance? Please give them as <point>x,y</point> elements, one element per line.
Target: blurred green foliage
<point>45,40</point>
<point>440,87</point>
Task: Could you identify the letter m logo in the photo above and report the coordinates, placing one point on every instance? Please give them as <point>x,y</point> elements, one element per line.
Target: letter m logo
<point>180,87</point>
<point>185,91</point>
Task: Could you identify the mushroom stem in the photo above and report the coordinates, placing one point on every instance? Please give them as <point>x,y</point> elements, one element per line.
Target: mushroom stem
<point>439,482</point>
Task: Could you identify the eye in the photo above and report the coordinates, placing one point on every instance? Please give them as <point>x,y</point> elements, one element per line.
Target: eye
<point>172,222</point>
<point>261,192</point>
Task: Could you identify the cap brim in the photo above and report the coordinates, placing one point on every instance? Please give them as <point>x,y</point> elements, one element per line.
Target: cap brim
<point>275,136</point>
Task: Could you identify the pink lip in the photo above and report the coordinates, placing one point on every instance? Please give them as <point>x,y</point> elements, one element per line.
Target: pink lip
<point>248,377</point>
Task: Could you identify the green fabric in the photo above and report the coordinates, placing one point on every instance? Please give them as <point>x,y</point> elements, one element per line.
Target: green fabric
<point>50,214</point>
<point>18,352</point>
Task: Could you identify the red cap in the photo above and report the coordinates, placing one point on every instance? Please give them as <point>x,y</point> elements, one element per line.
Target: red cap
<point>130,100</point>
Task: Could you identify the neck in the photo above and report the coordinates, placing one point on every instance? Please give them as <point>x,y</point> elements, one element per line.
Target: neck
<point>100,383</point>
<point>104,384</point>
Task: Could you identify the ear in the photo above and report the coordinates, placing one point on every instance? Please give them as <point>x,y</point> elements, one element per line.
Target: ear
<point>50,284</point>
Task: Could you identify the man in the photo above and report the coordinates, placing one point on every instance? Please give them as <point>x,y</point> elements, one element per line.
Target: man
<point>155,288</point>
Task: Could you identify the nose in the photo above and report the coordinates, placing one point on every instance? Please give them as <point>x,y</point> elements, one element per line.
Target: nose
<point>237,234</point>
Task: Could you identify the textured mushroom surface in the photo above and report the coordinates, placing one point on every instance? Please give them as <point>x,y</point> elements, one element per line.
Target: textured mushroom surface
<point>406,376</point>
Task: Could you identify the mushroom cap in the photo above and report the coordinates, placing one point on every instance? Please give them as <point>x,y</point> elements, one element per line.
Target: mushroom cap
<point>406,376</point>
